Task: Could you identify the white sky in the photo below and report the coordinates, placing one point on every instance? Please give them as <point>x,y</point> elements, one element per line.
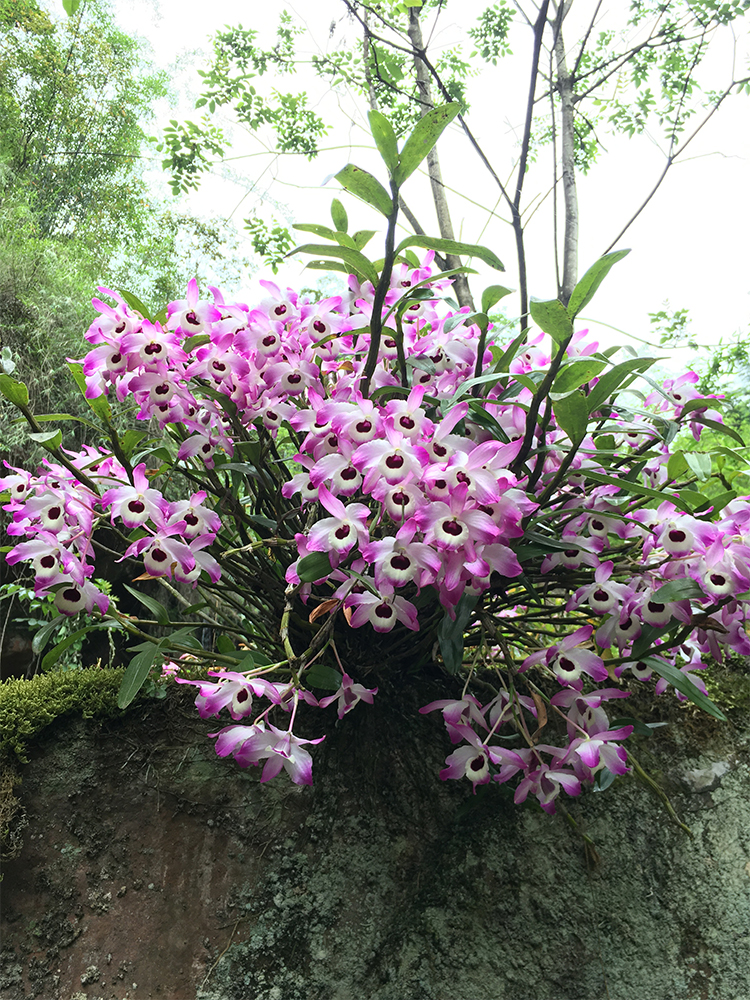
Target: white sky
<point>689,246</point>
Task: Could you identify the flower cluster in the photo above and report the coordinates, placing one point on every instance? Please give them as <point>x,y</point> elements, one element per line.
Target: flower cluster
<point>58,514</point>
<point>413,475</point>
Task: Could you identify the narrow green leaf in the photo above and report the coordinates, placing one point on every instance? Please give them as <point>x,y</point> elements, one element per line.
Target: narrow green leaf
<point>586,288</point>
<point>353,258</point>
<point>611,381</point>
<point>321,676</point>
<point>637,489</point>
<point>315,566</point>
<point>552,317</point>
<point>135,676</point>
<point>639,728</point>
<point>572,414</point>
<point>492,295</point>
<point>451,633</point>
<point>343,239</point>
<point>51,440</point>
<point>426,133</point>
<point>699,464</point>
<point>362,184</point>
<point>339,216</point>
<point>683,684</point>
<point>99,404</point>
<point>385,140</point>
<point>13,390</point>
<point>51,658</point>
<point>130,441</point>
<point>225,645</point>
<point>576,374</point>
<point>719,428</point>
<point>135,303</point>
<point>453,246</point>
<point>459,319</point>
<point>676,465</point>
<point>678,590</point>
<point>42,637</point>
<point>327,265</point>
<point>71,6</point>
<point>156,608</point>
<point>362,237</point>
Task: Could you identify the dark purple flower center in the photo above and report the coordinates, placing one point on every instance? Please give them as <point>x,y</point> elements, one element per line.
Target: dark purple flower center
<point>389,342</point>
<point>349,474</point>
<point>72,595</point>
<point>394,461</point>
<point>400,562</point>
<point>162,390</point>
<point>242,695</point>
<point>136,506</point>
<point>319,326</point>
<point>363,427</point>
<point>159,555</point>
<point>269,341</point>
<point>343,532</point>
<point>192,519</point>
<point>565,664</point>
<point>294,378</point>
<point>384,611</point>
<point>601,596</point>
<point>677,535</point>
<point>477,763</point>
<point>54,512</point>
<point>407,423</point>
<point>191,318</point>
<point>655,608</point>
<point>47,561</point>
<point>452,528</point>
<point>152,348</point>
<point>280,310</point>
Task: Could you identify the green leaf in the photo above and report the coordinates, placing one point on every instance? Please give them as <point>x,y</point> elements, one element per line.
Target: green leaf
<point>552,317</point>
<point>157,609</point>
<point>492,295</point>
<point>328,234</point>
<point>225,645</point>
<point>586,288</point>
<point>13,390</point>
<point>130,441</point>
<point>699,464</point>
<point>458,319</point>
<point>135,303</point>
<point>720,428</point>
<point>451,633</point>
<point>678,590</point>
<point>385,140</point>
<point>683,684</point>
<point>55,653</point>
<point>639,728</point>
<point>135,676</point>
<point>314,567</point>
<point>611,381</point>
<point>352,258</point>
<point>320,676</point>
<point>358,182</point>
<point>572,414</point>
<point>339,216</point>
<point>327,265</point>
<point>51,440</point>
<point>71,6</point>
<point>362,237</point>
<point>426,133</point>
<point>676,465</point>
<point>576,374</point>
<point>99,404</point>
<point>42,637</point>
<point>453,246</point>
<point>642,491</point>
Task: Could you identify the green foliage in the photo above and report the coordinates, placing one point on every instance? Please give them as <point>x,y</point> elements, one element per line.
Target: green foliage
<point>28,706</point>
<point>491,32</point>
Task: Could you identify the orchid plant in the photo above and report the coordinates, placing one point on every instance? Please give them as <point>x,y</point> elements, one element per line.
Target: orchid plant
<point>377,480</point>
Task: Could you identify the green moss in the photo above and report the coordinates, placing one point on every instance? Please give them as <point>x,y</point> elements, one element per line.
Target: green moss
<point>27,706</point>
<point>728,684</point>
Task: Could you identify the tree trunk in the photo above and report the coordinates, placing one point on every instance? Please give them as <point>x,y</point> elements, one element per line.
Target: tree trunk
<point>445,225</point>
<point>567,142</point>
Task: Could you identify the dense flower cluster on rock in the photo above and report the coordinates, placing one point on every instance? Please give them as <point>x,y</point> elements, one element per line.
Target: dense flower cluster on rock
<point>424,479</point>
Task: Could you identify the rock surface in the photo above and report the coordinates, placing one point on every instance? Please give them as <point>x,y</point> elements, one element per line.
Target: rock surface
<point>152,869</point>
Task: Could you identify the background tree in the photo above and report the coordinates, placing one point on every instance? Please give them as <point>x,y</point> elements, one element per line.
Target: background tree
<point>620,75</point>
<point>76,95</point>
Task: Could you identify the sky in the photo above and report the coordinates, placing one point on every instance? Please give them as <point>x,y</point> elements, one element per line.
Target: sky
<point>688,247</point>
